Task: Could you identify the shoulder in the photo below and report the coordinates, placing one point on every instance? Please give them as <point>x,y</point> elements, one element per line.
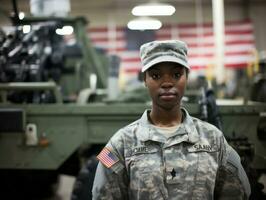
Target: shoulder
<point>124,137</point>
<point>125,132</point>
<point>206,129</point>
<point>201,128</point>
<point>208,137</point>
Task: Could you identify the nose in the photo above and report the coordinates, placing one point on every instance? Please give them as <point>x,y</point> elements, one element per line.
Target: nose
<point>167,81</point>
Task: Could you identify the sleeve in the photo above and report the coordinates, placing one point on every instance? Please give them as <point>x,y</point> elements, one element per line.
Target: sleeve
<point>232,182</point>
<point>110,182</point>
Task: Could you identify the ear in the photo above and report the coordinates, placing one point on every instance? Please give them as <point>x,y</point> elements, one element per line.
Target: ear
<point>144,79</point>
<point>145,84</point>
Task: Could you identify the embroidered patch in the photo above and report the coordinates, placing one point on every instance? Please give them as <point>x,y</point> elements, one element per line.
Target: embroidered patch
<point>107,158</point>
<point>138,150</point>
<point>203,147</point>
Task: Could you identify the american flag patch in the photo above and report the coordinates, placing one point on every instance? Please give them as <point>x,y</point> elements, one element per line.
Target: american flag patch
<point>107,158</point>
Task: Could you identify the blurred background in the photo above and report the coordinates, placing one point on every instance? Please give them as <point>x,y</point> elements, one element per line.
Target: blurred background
<point>200,23</point>
<point>70,78</point>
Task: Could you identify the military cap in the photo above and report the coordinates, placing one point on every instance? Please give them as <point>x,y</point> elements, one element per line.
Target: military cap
<point>155,52</point>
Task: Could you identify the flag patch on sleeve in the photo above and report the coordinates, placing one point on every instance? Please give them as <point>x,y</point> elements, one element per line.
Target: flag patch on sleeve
<point>107,158</point>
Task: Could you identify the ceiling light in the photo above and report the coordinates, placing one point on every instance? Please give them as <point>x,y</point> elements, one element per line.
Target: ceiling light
<point>21,15</point>
<point>26,29</point>
<point>144,24</point>
<point>153,9</point>
<point>66,30</point>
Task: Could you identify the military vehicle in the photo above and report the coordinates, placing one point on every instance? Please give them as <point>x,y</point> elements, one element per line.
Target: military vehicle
<point>54,116</point>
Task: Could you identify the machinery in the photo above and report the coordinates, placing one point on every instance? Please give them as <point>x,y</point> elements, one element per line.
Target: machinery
<point>54,117</point>
<point>39,69</point>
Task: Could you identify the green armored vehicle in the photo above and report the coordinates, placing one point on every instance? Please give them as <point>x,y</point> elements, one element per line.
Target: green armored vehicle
<point>54,116</point>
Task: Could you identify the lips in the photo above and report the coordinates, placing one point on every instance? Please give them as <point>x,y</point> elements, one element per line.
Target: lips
<point>167,95</point>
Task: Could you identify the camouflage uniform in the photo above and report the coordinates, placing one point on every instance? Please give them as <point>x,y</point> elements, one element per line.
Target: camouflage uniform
<point>195,163</point>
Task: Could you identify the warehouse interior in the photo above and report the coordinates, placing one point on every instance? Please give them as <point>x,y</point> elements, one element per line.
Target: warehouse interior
<point>70,77</point>
<point>106,19</point>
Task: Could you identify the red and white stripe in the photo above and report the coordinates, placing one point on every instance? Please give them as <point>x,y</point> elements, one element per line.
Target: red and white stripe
<point>107,158</point>
<point>239,44</point>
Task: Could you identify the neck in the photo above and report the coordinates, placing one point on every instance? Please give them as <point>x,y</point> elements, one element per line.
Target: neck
<point>165,118</point>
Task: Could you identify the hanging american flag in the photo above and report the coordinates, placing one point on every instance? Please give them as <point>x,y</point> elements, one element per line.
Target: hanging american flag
<point>239,44</point>
<point>107,157</point>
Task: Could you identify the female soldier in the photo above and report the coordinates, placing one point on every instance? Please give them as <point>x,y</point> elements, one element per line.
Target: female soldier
<point>167,154</point>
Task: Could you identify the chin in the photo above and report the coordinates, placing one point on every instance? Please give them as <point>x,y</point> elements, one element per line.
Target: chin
<point>169,106</point>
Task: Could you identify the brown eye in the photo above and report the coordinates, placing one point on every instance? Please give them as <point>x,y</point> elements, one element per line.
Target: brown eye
<point>177,75</point>
<point>155,76</point>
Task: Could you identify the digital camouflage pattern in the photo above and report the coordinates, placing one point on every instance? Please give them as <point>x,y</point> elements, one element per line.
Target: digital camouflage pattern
<point>155,52</point>
<point>195,163</point>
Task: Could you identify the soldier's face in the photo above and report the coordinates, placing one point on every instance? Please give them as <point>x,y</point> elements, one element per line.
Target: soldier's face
<point>166,83</point>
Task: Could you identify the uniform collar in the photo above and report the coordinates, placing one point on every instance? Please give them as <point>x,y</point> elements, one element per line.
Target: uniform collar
<point>147,131</point>
<point>190,127</point>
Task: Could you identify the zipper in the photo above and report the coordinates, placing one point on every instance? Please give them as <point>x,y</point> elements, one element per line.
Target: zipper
<point>164,163</point>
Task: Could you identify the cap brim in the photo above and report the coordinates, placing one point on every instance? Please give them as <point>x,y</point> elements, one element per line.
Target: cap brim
<point>164,59</point>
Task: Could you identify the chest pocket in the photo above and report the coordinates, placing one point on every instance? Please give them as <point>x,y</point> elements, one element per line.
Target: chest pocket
<point>207,167</point>
<point>207,160</point>
<point>144,166</point>
<point>142,159</point>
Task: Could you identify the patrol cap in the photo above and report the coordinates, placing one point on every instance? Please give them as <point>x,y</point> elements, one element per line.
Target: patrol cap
<point>155,52</point>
